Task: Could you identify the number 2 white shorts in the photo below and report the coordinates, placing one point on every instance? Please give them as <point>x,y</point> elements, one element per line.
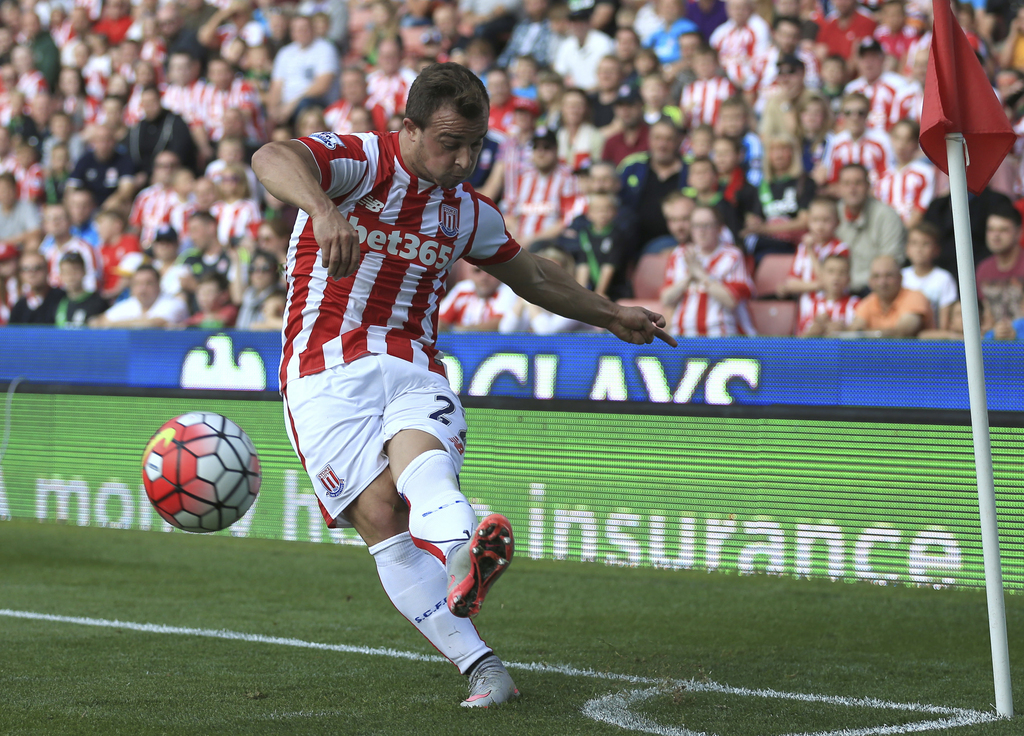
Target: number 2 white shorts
<point>339,419</point>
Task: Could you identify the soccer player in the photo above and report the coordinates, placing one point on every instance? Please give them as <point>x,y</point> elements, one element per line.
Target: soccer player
<point>367,405</point>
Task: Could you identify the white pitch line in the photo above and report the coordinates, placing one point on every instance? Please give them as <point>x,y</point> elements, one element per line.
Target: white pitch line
<point>612,708</point>
<point>615,709</point>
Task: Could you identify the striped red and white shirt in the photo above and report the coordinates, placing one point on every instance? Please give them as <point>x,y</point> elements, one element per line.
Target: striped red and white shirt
<point>882,96</point>
<point>814,304</point>
<point>806,257</point>
<point>410,233</point>
<point>541,201</point>
<point>909,104</point>
<point>702,98</point>
<point>211,103</point>
<point>908,189</point>
<point>30,84</point>
<point>738,46</point>
<point>234,218</point>
<point>151,209</point>
<point>464,308</point>
<point>873,151</point>
<point>184,100</point>
<point>390,92</point>
<point>698,313</point>
<point>30,183</point>
<point>337,117</point>
<point>53,253</point>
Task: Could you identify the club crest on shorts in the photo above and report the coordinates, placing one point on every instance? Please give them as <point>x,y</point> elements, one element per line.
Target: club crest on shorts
<point>332,483</point>
<point>449,220</point>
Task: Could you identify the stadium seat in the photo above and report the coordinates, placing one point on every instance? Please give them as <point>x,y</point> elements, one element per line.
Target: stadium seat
<point>771,272</point>
<point>773,317</point>
<point>649,275</point>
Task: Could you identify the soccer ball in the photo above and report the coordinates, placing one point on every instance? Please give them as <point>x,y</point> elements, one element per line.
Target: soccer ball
<point>201,472</point>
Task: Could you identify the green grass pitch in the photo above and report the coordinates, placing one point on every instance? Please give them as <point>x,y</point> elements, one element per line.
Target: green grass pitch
<point>899,645</point>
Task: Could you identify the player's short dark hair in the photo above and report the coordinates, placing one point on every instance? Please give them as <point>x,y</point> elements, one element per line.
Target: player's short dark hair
<point>1007,211</point>
<point>446,85</point>
<point>73,259</point>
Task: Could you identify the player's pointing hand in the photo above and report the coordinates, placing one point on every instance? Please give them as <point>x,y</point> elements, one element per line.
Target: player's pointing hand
<point>639,326</point>
<point>338,241</point>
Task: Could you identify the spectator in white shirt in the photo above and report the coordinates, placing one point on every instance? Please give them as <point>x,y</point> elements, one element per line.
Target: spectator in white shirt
<point>579,54</point>
<point>147,308</point>
<point>305,72</point>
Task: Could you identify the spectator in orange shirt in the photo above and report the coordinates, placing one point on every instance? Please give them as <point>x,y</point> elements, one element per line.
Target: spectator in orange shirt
<point>890,310</point>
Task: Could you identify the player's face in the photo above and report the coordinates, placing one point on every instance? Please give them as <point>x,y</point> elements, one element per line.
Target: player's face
<point>446,151</point>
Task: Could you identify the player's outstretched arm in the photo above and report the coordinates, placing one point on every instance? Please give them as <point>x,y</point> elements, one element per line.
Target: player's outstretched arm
<point>289,172</point>
<point>542,282</point>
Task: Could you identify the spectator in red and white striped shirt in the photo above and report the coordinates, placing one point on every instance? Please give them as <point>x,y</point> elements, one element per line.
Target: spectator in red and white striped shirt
<point>819,243</point>
<point>857,144</point>
<point>236,211</point>
<point>831,309</point>
<point>706,282</point>
<point>740,40</point>
<point>909,186</point>
<point>28,173</point>
<point>476,304</point>
<point>543,202</point>
<point>226,90</point>
<point>702,98</point>
<point>881,88</point>
<point>182,94</point>
<point>389,84</point>
<point>153,205</point>
<point>353,97</point>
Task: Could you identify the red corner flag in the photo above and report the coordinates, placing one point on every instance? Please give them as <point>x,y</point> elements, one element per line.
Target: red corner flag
<point>958,98</point>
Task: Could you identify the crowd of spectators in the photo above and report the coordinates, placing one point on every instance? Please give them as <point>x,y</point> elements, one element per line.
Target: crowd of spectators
<point>666,152</point>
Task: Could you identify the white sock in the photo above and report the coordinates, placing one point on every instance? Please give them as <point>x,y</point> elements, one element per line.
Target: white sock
<point>417,585</point>
<point>440,517</point>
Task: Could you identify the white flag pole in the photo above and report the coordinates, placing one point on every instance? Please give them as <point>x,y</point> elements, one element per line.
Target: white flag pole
<point>955,155</point>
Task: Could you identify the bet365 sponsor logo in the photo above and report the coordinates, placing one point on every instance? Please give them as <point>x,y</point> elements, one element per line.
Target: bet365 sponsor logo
<point>409,246</point>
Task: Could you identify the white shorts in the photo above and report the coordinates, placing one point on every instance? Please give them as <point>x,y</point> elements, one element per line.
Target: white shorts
<point>339,419</point>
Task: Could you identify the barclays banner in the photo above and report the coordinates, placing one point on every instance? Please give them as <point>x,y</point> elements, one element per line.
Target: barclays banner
<point>785,371</point>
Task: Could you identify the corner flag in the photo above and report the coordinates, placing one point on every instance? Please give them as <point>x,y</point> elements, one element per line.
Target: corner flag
<point>958,98</point>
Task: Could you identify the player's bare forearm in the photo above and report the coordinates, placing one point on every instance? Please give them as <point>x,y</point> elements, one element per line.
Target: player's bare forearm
<point>287,170</point>
<point>542,282</point>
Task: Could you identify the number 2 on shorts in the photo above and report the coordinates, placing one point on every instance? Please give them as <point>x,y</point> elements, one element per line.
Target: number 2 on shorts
<point>441,415</point>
